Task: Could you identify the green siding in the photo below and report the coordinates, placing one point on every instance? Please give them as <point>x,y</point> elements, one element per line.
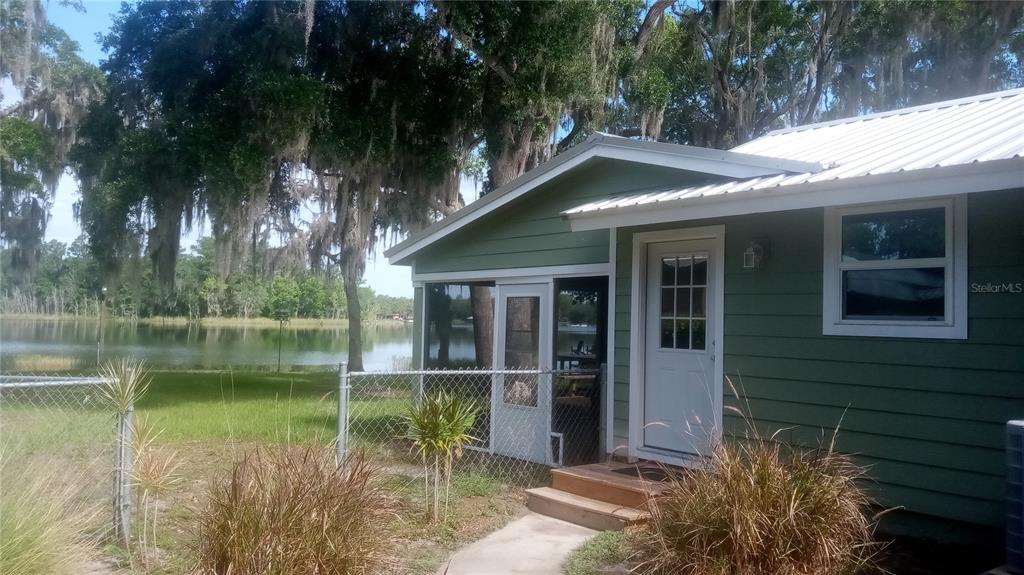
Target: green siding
<point>531,232</point>
<point>927,415</point>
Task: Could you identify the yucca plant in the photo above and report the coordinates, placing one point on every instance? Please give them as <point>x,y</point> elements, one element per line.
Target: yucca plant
<point>154,474</point>
<point>439,427</point>
<point>127,380</point>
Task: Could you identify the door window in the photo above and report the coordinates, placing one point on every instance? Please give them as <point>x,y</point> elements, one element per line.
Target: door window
<point>684,302</point>
<point>522,349</point>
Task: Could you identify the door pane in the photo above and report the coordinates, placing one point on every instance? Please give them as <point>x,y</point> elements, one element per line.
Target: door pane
<point>522,332</point>
<point>917,293</point>
<point>700,271</point>
<point>683,277</point>
<point>668,272</point>
<point>682,334</point>
<point>906,234</point>
<point>682,302</point>
<point>700,302</point>
<point>666,333</point>
<point>522,349</point>
<point>700,331</point>
<point>666,302</point>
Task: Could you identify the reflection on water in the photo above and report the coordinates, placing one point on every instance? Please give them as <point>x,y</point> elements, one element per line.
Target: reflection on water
<point>201,346</point>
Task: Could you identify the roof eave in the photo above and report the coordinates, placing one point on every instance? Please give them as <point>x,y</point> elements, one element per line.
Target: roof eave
<point>915,184</point>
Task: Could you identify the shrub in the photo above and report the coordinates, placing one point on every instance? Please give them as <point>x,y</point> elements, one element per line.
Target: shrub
<point>45,529</point>
<point>439,427</point>
<point>759,508</point>
<point>289,510</point>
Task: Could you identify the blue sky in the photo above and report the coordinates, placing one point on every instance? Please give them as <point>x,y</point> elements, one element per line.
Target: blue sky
<point>83,28</point>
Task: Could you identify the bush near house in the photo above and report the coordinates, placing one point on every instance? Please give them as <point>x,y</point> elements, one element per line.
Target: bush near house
<point>288,509</point>
<point>760,508</point>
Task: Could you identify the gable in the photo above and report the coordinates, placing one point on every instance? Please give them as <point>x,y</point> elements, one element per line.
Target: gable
<point>532,232</point>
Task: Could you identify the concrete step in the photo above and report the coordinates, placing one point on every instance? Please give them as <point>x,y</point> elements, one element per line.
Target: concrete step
<point>602,485</point>
<point>580,510</point>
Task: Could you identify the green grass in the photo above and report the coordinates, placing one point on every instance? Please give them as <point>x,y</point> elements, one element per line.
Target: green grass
<point>599,552</point>
<point>192,406</point>
<point>296,407</point>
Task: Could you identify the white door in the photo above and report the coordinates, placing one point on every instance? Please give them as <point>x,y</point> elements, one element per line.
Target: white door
<point>521,403</point>
<point>679,403</point>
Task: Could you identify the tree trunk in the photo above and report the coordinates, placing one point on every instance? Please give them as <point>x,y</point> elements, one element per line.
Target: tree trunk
<point>355,321</point>
<point>483,325</point>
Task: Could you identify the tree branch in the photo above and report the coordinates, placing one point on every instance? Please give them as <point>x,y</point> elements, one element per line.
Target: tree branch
<point>643,36</point>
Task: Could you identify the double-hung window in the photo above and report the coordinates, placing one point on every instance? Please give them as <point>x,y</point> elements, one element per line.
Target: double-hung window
<point>896,270</point>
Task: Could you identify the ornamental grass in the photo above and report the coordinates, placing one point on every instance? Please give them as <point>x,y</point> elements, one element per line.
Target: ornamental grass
<point>286,510</point>
<point>759,507</point>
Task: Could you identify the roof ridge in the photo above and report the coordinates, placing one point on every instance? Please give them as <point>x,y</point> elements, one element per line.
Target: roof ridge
<point>898,112</point>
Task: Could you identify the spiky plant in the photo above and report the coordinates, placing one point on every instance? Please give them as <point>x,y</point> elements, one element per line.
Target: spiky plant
<point>154,474</point>
<point>439,428</point>
<point>127,380</point>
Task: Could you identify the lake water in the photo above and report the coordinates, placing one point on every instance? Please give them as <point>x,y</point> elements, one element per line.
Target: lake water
<point>26,342</point>
<point>198,346</point>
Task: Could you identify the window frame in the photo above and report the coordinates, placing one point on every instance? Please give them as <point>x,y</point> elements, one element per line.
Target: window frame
<point>954,326</point>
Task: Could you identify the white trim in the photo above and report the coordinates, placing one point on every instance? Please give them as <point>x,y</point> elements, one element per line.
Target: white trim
<point>533,273</point>
<point>609,376</point>
<point>638,319</point>
<point>424,331</point>
<point>955,263</point>
<point>915,184</point>
<point>689,158</point>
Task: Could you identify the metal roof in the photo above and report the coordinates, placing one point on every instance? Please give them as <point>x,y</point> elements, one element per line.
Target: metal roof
<point>967,131</point>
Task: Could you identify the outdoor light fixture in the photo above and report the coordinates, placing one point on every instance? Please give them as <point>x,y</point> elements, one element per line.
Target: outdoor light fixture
<point>756,254</point>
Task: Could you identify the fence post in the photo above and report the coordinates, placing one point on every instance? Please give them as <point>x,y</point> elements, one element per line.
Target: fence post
<point>343,387</point>
<point>123,461</point>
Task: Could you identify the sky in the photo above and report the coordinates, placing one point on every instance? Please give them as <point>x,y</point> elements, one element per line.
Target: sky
<point>83,27</point>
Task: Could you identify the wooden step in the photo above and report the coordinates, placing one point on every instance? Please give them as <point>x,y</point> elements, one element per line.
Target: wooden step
<point>580,510</point>
<point>600,483</point>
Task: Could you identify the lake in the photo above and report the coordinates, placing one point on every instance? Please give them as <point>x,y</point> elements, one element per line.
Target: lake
<point>25,344</point>
<point>203,346</point>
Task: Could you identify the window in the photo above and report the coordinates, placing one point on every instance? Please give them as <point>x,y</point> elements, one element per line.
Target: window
<point>522,349</point>
<point>896,270</point>
<point>684,302</point>
<point>460,324</point>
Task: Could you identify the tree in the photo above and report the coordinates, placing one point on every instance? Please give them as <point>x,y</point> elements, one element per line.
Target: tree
<point>282,305</point>
<point>55,87</point>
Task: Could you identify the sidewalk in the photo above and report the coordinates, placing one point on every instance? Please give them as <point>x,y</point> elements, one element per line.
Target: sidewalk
<point>534,544</point>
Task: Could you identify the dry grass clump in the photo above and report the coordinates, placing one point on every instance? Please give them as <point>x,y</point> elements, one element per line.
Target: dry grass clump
<point>45,528</point>
<point>291,510</point>
<point>759,508</point>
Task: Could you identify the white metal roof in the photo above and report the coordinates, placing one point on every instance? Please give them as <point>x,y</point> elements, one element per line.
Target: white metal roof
<point>983,128</point>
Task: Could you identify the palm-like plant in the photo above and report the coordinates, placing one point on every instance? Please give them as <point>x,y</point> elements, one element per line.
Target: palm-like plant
<point>439,427</point>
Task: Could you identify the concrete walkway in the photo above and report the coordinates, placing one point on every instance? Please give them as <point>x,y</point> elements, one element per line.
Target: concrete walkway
<point>534,544</point>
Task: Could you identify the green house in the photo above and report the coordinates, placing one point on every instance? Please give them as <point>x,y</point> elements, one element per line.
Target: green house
<point>865,273</point>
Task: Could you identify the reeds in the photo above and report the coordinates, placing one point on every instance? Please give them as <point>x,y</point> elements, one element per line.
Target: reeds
<point>292,510</point>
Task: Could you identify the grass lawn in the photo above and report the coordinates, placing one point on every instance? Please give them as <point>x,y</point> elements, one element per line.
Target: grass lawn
<point>209,419</point>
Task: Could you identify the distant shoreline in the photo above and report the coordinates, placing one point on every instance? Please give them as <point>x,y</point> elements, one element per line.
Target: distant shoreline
<point>210,321</point>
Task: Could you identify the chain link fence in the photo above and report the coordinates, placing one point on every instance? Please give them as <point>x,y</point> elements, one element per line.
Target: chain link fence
<point>61,431</point>
<point>527,420</point>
